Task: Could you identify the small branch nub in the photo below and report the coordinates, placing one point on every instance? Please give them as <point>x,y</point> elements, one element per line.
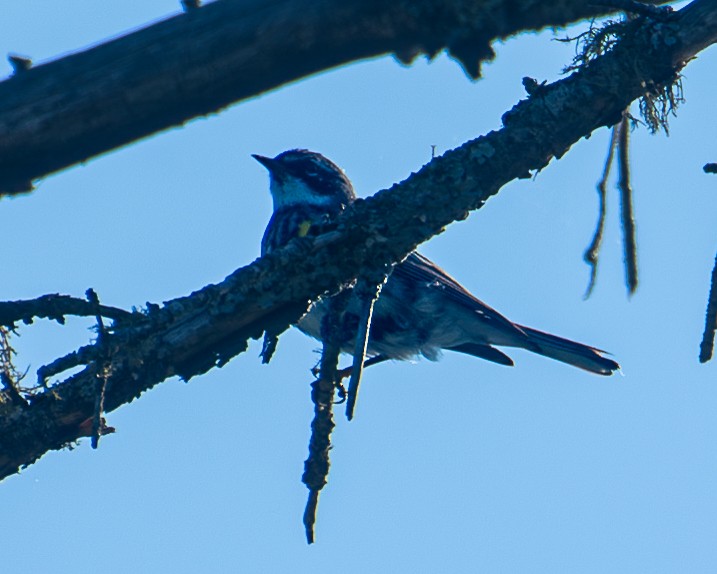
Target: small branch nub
<point>19,63</point>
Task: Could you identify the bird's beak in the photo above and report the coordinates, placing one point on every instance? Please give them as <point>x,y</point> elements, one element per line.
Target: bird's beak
<point>268,162</point>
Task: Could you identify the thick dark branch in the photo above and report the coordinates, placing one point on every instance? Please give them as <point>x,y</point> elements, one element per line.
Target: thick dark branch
<point>190,335</point>
<point>64,112</point>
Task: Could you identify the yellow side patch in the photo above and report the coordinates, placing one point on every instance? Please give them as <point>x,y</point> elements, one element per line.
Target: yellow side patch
<point>304,227</point>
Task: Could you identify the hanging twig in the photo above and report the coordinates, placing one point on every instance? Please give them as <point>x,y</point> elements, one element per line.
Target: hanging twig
<point>316,467</point>
<point>268,347</point>
<point>708,337</point>
<point>627,216</point>
<point>592,253</point>
<point>619,141</point>
<point>103,372</point>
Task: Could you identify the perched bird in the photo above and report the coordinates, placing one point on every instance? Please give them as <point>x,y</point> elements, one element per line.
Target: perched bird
<point>421,310</point>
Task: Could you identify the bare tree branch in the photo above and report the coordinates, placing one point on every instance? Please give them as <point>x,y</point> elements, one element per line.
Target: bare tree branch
<point>55,307</point>
<point>67,111</point>
<point>190,335</point>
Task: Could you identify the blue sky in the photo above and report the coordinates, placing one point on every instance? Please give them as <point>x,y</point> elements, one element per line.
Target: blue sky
<point>457,466</point>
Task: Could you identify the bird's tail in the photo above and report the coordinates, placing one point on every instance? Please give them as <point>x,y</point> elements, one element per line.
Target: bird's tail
<point>570,352</point>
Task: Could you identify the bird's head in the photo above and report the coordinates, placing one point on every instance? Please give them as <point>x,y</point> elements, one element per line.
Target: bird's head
<point>303,177</point>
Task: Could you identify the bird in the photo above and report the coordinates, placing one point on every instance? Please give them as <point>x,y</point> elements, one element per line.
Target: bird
<point>421,310</point>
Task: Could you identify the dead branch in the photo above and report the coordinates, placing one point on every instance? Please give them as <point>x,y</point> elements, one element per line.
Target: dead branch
<point>56,307</point>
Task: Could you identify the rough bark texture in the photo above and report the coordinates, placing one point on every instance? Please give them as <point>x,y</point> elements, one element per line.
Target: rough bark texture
<point>190,335</point>
<point>69,110</point>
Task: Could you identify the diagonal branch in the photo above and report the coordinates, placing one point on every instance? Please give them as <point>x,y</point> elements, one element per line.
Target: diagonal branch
<point>190,335</point>
<point>69,110</point>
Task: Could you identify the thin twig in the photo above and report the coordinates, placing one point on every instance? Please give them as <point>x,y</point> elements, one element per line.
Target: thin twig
<point>367,293</point>
<point>99,424</point>
<point>708,337</point>
<point>627,216</point>
<point>94,300</point>
<point>592,253</point>
<point>268,347</point>
<point>103,374</point>
<point>375,360</point>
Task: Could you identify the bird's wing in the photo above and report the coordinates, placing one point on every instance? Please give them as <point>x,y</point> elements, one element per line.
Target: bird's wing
<point>420,268</point>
